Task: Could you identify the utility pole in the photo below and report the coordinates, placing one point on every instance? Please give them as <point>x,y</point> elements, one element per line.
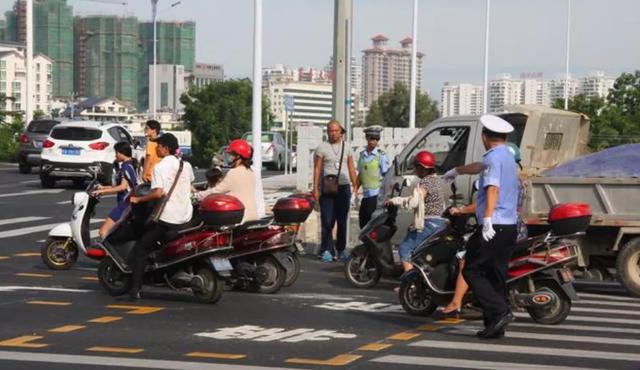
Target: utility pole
<point>29,65</point>
<point>566,76</point>
<point>154,12</point>
<point>256,110</point>
<point>341,100</point>
<point>414,67</point>
<point>485,107</point>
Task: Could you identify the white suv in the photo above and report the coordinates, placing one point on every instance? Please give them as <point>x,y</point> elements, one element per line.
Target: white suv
<point>78,150</point>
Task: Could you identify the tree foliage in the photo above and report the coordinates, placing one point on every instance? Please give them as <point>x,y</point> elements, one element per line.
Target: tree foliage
<point>614,121</point>
<point>392,108</point>
<point>11,124</point>
<point>218,113</point>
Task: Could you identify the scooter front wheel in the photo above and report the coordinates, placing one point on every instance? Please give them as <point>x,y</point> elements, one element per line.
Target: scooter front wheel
<point>112,278</point>
<point>293,269</point>
<point>211,288</point>
<point>416,298</point>
<point>270,276</point>
<point>59,253</point>
<point>360,269</point>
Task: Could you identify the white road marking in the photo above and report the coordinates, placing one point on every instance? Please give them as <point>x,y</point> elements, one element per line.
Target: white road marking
<point>606,303</point>
<point>549,351</point>
<point>468,364</point>
<point>13,288</point>
<point>260,334</point>
<point>608,320</point>
<point>29,182</point>
<point>65,202</point>
<point>17,220</point>
<point>120,362</point>
<point>321,296</point>
<point>32,192</point>
<point>604,310</point>
<point>34,229</point>
<point>361,306</point>
<point>608,297</point>
<point>606,329</point>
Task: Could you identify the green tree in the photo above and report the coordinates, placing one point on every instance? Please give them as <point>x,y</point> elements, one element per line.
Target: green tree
<point>11,124</point>
<point>392,108</point>
<point>218,113</point>
<point>614,121</point>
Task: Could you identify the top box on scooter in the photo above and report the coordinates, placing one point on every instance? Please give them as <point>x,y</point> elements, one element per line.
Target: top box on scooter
<point>221,210</point>
<point>570,218</point>
<point>293,209</point>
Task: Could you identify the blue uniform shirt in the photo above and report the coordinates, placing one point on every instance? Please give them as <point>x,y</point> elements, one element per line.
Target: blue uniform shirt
<point>499,169</point>
<point>367,157</point>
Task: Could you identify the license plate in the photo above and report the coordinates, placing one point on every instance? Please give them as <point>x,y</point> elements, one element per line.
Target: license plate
<point>38,143</point>
<point>221,264</point>
<point>70,151</point>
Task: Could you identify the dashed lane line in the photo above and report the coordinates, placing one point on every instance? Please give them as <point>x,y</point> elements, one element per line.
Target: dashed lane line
<point>24,341</point>
<point>32,192</point>
<point>223,356</point>
<point>89,278</point>
<point>404,336</point>
<point>50,303</point>
<point>375,347</point>
<point>28,274</point>
<point>136,310</point>
<point>115,349</point>
<point>27,254</point>
<point>3,258</point>
<point>66,328</point>
<point>339,360</point>
<point>105,319</point>
<point>17,220</point>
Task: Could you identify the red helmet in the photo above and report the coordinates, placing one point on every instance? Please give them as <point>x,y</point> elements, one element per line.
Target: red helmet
<point>425,159</point>
<point>241,148</point>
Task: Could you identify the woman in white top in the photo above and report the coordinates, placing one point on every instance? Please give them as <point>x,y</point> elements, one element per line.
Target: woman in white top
<point>240,181</point>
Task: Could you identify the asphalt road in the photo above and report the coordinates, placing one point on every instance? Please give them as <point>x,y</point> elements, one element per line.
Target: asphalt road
<point>64,320</point>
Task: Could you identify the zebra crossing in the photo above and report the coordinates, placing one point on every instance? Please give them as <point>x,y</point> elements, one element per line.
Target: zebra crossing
<point>33,225</point>
<point>602,332</point>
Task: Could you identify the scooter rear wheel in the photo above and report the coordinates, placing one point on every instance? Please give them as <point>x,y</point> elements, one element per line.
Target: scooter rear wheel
<point>112,279</point>
<point>416,298</point>
<point>557,311</point>
<point>59,253</point>
<point>293,269</point>
<point>212,286</point>
<point>272,275</point>
<point>360,269</point>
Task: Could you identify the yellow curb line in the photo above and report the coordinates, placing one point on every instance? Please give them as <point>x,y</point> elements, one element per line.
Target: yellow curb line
<point>50,303</point>
<point>105,319</point>
<point>115,349</point>
<point>339,360</point>
<point>23,342</point>
<point>26,254</point>
<point>67,328</point>
<point>375,347</point>
<point>136,310</point>
<point>33,275</point>
<point>225,356</point>
<point>404,336</point>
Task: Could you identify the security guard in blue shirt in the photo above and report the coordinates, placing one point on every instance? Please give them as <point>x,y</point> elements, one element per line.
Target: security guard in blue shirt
<point>489,249</point>
<point>373,163</point>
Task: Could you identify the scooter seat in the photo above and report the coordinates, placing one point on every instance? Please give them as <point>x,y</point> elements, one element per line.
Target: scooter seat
<point>254,224</point>
<point>526,246</point>
<point>174,234</point>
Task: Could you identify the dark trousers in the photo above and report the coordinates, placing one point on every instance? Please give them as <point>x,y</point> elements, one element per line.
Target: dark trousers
<point>486,269</point>
<point>367,206</point>
<point>334,208</point>
<point>144,245</point>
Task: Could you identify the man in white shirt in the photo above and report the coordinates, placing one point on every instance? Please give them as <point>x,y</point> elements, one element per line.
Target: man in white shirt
<point>177,210</point>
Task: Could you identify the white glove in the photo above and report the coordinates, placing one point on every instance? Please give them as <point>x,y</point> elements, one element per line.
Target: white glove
<point>450,175</point>
<point>487,229</point>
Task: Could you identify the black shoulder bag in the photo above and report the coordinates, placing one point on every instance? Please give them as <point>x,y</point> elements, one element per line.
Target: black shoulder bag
<point>330,182</point>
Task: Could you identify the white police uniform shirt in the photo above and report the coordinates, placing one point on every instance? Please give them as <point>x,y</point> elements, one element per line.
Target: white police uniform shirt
<point>499,169</point>
<point>178,209</point>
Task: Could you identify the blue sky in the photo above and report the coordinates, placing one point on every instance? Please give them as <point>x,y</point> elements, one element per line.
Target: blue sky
<point>527,36</point>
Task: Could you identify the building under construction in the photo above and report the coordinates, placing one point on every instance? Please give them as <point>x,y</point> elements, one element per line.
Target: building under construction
<point>53,37</point>
<point>107,54</point>
<point>176,45</point>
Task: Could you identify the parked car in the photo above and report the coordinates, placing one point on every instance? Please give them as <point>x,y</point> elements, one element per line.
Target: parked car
<point>31,139</point>
<point>78,150</point>
<point>273,149</point>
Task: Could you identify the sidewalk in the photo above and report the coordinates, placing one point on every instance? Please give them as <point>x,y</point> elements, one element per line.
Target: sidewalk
<point>280,182</point>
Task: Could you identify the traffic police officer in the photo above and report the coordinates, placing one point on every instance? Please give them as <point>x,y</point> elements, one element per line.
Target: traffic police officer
<point>373,163</point>
<point>489,249</point>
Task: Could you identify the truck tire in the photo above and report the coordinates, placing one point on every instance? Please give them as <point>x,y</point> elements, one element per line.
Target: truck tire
<point>628,265</point>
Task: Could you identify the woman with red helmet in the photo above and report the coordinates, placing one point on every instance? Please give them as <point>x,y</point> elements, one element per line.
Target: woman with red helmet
<point>426,201</point>
<point>240,181</point>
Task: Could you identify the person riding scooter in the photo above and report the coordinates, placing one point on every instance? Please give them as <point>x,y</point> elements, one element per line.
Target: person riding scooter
<point>427,202</point>
<point>171,184</point>
<point>240,181</point>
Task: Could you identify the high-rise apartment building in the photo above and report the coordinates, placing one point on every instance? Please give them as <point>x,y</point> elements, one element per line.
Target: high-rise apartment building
<point>383,67</point>
<point>205,74</point>
<point>461,99</point>
<point>13,79</point>
<point>557,88</point>
<point>176,44</point>
<point>107,57</point>
<point>169,88</point>
<point>53,37</point>
<point>596,84</point>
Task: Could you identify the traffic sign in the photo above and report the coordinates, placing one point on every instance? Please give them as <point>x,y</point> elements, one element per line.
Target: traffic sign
<point>289,103</point>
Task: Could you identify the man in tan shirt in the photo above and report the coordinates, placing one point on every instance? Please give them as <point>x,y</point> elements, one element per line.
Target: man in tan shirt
<point>151,131</point>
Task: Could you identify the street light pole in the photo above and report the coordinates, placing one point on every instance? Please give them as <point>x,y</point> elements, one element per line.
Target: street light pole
<point>566,76</point>
<point>414,67</point>
<point>485,107</point>
<point>256,111</point>
<point>154,12</point>
<point>29,64</point>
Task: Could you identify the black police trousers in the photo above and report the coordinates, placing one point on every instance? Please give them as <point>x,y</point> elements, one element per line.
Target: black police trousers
<point>485,269</point>
<point>367,206</point>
